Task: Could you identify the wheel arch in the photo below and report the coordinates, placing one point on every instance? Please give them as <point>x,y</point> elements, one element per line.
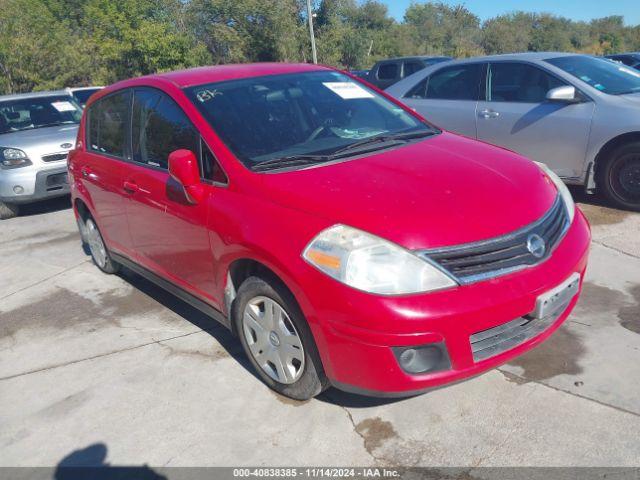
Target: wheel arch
<point>610,146</point>
<point>81,209</point>
<point>244,267</point>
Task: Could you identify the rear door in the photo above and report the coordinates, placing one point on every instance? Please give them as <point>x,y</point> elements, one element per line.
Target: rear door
<point>102,167</point>
<point>168,233</point>
<point>517,115</point>
<point>448,97</point>
<point>387,73</point>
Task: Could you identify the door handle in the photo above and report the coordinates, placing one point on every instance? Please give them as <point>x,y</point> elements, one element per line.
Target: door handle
<point>486,113</point>
<point>85,172</point>
<point>130,187</point>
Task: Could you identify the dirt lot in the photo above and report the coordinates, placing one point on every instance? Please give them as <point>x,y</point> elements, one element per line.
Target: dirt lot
<point>112,362</point>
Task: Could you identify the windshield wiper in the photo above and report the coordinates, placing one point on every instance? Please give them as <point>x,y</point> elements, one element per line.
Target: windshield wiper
<point>290,161</point>
<point>383,138</point>
<point>310,159</point>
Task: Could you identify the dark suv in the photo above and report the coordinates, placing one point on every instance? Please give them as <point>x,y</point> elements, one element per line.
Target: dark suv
<point>387,72</point>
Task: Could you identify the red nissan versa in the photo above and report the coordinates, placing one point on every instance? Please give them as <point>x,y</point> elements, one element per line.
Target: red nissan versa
<point>344,239</point>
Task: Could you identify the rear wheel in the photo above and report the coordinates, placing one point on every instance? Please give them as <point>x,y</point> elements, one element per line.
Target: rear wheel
<point>98,249</point>
<point>277,339</point>
<point>620,180</point>
<point>8,210</point>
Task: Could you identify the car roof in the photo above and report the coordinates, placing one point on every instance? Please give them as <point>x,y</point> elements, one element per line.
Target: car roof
<point>533,56</point>
<point>79,89</point>
<point>19,96</point>
<point>220,73</point>
<point>635,54</point>
<point>414,57</point>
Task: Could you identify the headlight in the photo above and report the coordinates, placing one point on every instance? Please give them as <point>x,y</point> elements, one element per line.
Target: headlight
<point>13,158</point>
<point>562,190</point>
<point>371,264</point>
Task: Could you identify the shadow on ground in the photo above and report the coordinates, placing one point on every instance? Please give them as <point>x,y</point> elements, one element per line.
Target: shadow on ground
<point>90,462</point>
<point>45,206</point>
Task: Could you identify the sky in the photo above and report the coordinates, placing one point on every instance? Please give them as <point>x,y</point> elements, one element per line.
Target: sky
<point>574,9</point>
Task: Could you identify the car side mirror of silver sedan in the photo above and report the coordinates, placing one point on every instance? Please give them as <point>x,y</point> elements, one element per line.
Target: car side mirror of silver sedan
<point>564,94</point>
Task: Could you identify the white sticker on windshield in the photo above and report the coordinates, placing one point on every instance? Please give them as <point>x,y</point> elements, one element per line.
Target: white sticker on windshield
<point>348,90</point>
<point>63,106</point>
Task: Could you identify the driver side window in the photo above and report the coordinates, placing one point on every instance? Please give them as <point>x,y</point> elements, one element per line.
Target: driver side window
<point>159,126</point>
<point>519,82</point>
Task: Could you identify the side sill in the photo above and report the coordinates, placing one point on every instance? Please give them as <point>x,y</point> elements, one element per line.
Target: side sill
<point>170,287</point>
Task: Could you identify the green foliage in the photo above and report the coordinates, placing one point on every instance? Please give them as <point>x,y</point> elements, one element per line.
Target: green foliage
<point>56,43</point>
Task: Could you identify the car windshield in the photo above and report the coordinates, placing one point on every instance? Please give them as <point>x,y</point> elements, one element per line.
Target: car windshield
<point>38,112</point>
<point>604,75</point>
<point>83,95</point>
<point>315,113</point>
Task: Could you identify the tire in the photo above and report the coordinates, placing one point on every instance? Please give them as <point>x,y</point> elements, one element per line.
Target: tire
<point>620,177</point>
<point>8,210</point>
<point>298,374</point>
<point>98,250</point>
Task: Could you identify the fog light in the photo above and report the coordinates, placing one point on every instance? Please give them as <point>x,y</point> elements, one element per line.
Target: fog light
<point>18,190</point>
<point>424,358</point>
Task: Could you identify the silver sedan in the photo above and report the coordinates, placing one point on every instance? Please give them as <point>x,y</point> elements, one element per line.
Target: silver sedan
<point>578,114</point>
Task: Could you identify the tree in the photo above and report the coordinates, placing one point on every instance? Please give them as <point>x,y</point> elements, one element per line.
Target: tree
<point>441,29</point>
<point>248,30</point>
<point>37,52</point>
<point>508,33</point>
<point>57,43</point>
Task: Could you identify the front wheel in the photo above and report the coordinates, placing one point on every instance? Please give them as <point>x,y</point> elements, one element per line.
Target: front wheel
<point>620,179</point>
<point>277,339</point>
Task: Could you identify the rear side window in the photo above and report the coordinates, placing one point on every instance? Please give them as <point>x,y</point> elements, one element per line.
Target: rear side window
<point>412,67</point>
<point>455,83</point>
<point>159,126</point>
<point>388,71</point>
<point>107,119</point>
<point>519,82</point>
<point>461,82</point>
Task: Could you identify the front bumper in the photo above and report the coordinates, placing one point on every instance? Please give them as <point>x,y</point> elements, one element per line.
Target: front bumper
<point>355,331</point>
<point>35,184</point>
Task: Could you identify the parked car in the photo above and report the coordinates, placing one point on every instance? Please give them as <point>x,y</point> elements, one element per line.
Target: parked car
<point>631,59</point>
<point>576,113</point>
<point>387,72</point>
<point>360,73</point>
<point>36,132</point>
<point>344,239</point>
<point>82,94</point>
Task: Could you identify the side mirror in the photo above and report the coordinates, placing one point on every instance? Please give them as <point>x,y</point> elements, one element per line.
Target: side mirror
<point>564,94</point>
<point>183,167</point>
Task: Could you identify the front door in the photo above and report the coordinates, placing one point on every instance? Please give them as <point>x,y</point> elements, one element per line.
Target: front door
<point>169,234</point>
<point>516,115</point>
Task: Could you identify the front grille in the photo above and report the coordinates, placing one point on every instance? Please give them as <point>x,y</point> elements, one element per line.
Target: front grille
<point>56,181</point>
<point>477,261</point>
<point>54,157</point>
<point>494,341</point>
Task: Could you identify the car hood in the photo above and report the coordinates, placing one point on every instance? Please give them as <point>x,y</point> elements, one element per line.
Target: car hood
<point>631,98</point>
<point>440,191</point>
<point>38,137</point>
